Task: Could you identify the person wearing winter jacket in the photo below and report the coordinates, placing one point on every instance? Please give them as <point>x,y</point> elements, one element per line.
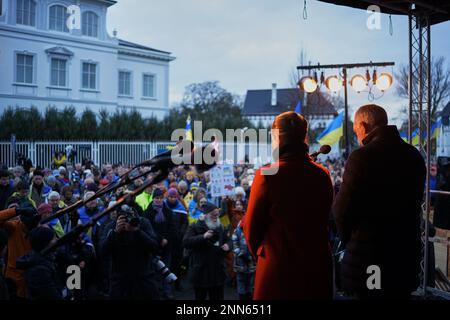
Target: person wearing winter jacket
<point>40,272</point>
<point>209,243</point>
<point>244,264</point>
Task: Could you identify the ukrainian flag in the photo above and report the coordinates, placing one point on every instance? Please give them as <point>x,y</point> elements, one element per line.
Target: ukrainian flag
<point>404,136</point>
<point>188,129</point>
<point>415,137</point>
<point>333,132</point>
<point>436,129</point>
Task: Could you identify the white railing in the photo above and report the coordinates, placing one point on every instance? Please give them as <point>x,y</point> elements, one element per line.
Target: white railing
<point>125,152</point>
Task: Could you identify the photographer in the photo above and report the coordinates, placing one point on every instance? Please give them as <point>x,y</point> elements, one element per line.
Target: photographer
<point>131,245</point>
<point>209,243</point>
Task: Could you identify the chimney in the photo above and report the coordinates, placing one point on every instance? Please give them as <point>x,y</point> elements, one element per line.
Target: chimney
<point>274,95</point>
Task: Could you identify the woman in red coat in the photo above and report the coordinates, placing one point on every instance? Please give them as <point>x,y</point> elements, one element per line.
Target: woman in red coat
<point>287,219</point>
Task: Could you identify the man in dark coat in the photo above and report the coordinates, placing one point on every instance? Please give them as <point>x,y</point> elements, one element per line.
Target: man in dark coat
<point>162,221</point>
<point>378,210</point>
<point>6,188</point>
<point>287,219</point>
<point>131,247</point>
<point>40,272</point>
<point>208,243</point>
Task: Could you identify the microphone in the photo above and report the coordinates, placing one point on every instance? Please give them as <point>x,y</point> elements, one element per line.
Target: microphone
<point>325,149</point>
<point>204,159</point>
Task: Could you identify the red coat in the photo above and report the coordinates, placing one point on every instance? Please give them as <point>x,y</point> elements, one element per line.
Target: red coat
<point>286,227</point>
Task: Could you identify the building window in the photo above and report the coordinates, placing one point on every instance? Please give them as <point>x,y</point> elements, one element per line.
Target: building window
<point>90,24</point>
<point>89,76</point>
<point>58,74</point>
<point>58,18</point>
<point>124,83</point>
<point>25,68</point>
<point>26,12</point>
<point>149,86</point>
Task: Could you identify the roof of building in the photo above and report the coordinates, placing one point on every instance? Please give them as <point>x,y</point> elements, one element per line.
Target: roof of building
<point>129,44</point>
<point>446,110</point>
<point>258,103</point>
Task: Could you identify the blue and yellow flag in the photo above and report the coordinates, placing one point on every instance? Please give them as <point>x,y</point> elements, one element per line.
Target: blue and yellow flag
<point>404,136</point>
<point>436,129</point>
<point>188,129</point>
<point>415,137</point>
<point>298,108</point>
<point>333,132</point>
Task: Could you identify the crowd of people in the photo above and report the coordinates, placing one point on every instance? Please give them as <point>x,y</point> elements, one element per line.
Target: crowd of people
<point>176,222</point>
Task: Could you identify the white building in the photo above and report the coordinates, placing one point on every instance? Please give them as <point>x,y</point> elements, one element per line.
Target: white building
<point>46,61</point>
<point>262,106</point>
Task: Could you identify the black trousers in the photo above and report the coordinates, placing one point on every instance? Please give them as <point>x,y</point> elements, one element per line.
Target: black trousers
<point>215,293</point>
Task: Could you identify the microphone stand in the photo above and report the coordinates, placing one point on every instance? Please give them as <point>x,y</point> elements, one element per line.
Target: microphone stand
<point>124,179</point>
<point>79,229</point>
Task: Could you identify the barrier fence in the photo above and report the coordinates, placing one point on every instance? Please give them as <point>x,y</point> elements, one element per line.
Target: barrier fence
<point>126,152</point>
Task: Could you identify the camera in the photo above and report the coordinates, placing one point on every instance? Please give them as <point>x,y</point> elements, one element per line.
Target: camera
<point>131,215</point>
<point>162,269</point>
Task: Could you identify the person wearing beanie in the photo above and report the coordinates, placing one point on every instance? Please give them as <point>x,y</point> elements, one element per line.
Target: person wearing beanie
<point>209,243</point>
<point>53,183</point>
<point>39,190</point>
<point>180,217</point>
<point>40,272</point>
<point>162,221</point>
<point>46,210</point>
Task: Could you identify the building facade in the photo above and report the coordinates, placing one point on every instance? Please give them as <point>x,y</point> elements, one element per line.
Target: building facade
<point>262,106</point>
<point>58,53</point>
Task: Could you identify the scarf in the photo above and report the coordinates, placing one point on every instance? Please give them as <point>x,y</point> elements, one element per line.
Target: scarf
<point>159,218</point>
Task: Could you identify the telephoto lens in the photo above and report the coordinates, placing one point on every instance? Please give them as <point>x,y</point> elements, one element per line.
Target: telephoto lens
<point>162,269</point>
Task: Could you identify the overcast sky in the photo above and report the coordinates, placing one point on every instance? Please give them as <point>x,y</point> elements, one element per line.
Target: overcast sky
<point>249,44</point>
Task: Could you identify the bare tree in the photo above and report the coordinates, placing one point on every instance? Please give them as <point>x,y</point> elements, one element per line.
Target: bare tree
<point>440,84</point>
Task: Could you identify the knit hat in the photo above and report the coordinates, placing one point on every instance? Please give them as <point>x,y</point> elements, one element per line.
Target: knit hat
<point>172,192</point>
<point>56,173</point>
<point>40,237</point>
<point>51,180</point>
<point>104,182</point>
<point>44,208</point>
<point>157,193</point>
<point>208,208</point>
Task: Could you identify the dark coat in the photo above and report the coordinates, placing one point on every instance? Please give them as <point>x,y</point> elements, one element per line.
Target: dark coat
<point>378,213</point>
<point>207,259</point>
<point>286,229</point>
<point>40,276</point>
<point>132,269</point>
<point>5,193</point>
<point>165,230</point>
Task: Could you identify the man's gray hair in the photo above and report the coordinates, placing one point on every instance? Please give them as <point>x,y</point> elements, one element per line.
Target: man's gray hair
<point>183,184</point>
<point>373,115</point>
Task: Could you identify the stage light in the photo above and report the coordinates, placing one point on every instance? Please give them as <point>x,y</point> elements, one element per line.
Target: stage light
<point>333,83</point>
<point>358,83</point>
<point>307,84</point>
<point>384,81</point>
<point>374,77</point>
<point>367,75</point>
